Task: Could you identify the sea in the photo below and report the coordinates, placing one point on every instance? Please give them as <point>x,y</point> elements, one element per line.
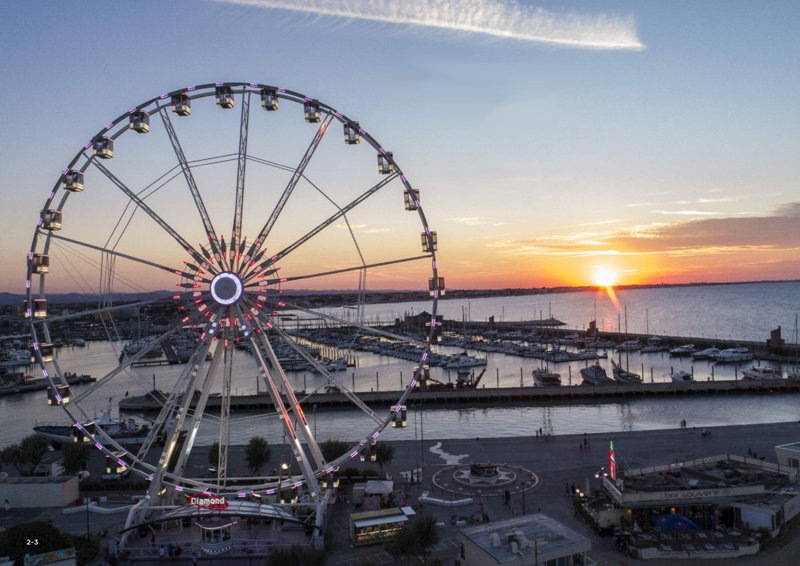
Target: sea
<point>746,312</point>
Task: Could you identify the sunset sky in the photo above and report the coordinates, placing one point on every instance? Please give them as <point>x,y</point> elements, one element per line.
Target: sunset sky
<point>553,143</point>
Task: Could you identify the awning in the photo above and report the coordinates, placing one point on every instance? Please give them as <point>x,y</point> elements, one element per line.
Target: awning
<point>377,487</point>
<point>399,518</point>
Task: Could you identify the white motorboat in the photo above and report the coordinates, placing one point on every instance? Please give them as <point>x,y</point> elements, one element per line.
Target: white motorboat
<point>681,377</point>
<point>595,375</point>
<point>793,373</point>
<point>707,354</point>
<point>629,346</point>
<point>685,350</point>
<point>655,344</point>
<point>762,372</point>
<point>465,361</point>
<point>733,355</point>
<point>543,377</point>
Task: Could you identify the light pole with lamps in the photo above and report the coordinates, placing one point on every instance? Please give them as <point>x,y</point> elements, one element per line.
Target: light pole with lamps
<point>281,468</point>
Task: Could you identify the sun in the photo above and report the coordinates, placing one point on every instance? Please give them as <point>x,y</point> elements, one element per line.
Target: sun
<point>605,278</point>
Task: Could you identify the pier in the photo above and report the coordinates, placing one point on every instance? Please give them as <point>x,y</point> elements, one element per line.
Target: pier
<point>507,396</point>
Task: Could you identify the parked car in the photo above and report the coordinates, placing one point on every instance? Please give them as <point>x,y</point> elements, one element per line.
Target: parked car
<point>83,476</point>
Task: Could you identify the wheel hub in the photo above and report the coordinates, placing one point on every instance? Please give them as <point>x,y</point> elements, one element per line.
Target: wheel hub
<point>226,288</point>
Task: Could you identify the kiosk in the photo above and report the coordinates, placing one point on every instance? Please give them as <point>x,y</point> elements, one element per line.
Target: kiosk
<point>215,535</point>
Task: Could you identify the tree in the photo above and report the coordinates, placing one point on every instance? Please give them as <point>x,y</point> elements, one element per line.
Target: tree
<point>257,453</point>
<point>75,457</point>
<point>384,454</point>
<point>415,539</point>
<point>26,454</point>
<point>213,455</point>
<point>332,449</point>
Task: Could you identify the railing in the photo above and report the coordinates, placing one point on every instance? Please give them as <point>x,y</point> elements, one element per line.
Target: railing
<point>242,548</point>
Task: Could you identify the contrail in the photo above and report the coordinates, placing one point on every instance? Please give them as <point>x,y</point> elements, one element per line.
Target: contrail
<point>498,18</point>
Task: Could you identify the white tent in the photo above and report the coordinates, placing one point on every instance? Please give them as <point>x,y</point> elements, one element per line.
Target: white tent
<point>377,487</point>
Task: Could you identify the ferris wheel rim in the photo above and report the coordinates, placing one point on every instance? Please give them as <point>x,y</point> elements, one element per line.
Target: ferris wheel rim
<point>202,91</point>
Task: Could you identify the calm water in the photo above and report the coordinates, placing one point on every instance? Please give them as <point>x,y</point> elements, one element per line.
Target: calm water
<point>746,311</point>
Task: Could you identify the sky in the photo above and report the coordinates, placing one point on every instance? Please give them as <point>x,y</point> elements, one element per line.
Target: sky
<point>553,143</point>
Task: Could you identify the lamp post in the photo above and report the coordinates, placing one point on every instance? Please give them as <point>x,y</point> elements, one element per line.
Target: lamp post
<point>282,467</point>
<point>600,474</point>
<point>415,475</point>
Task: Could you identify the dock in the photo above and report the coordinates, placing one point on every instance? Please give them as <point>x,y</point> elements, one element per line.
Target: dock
<point>41,383</point>
<point>506,396</point>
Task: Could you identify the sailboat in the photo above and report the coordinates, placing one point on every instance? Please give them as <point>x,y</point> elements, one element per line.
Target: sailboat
<point>464,360</point>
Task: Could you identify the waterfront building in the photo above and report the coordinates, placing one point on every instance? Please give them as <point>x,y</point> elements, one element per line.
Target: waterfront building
<point>527,540</point>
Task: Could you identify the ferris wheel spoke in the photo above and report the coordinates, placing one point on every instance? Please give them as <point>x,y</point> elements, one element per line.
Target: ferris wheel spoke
<point>319,228</point>
<point>344,322</point>
<point>130,361</point>
<point>337,271</point>
<point>141,204</point>
<point>116,253</point>
<point>244,127</point>
<point>328,375</point>
<point>298,174</point>
<point>187,173</point>
<point>102,310</point>
<point>277,401</point>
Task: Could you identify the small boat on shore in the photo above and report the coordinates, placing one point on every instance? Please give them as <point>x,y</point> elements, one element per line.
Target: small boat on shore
<point>543,377</point>
<point>623,375</point>
<point>127,433</point>
<point>681,376</point>
<point>762,372</point>
<point>595,374</point>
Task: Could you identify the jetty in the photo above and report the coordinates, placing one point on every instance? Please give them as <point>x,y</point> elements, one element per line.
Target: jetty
<point>506,396</point>
<point>41,383</point>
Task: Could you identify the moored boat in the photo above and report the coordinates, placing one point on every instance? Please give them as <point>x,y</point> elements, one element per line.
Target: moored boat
<point>681,376</point>
<point>595,375</point>
<point>685,350</point>
<point>707,354</point>
<point>762,372</point>
<point>623,375</point>
<point>733,355</point>
<point>543,377</point>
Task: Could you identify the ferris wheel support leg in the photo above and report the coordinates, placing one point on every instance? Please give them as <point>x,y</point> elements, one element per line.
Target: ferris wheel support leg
<point>224,416</point>
<point>208,383</point>
<point>135,516</point>
<point>163,463</point>
<point>316,453</point>
<point>286,421</point>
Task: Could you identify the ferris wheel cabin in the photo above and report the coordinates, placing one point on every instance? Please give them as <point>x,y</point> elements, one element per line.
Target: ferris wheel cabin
<point>59,396</point>
<point>411,200</point>
<point>139,122</point>
<point>40,264</point>
<point>103,148</point>
<point>385,163</point>
<point>73,181</point>
<point>215,535</point>
<point>269,99</point>
<point>224,96</point>
<point>400,418</point>
<point>51,220</point>
<point>45,350</point>
<point>181,104</point>
<point>429,243</point>
<point>39,309</point>
<point>311,111</point>
<point>351,133</point>
<point>433,285</point>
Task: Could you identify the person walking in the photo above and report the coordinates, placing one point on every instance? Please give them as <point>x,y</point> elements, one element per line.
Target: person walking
<point>581,447</point>
<point>194,558</point>
<point>566,490</point>
<point>170,550</point>
<point>162,552</point>
<point>7,506</point>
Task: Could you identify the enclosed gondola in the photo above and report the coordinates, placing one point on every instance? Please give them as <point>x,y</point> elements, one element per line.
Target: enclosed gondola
<point>51,220</point>
<point>269,99</point>
<point>38,310</point>
<point>436,284</point>
<point>385,163</point>
<point>40,263</point>
<point>45,350</point>
<point>400,419</point>
<point>311,111</point>
<point>59,396</point>
<point>103,148</point>
<point>411,200</point>
<point>181,104</point>
<point>351,134</point>
<point>224,96</point>
<point>429,243</point>
<point>73,181</point>
<point>139,122</point>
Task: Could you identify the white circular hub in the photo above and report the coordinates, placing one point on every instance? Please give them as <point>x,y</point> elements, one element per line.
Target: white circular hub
<point>226,288</point>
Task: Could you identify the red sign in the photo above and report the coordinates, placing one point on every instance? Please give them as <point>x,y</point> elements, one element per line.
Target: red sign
<point>215,503</point>
<point>612,462</point>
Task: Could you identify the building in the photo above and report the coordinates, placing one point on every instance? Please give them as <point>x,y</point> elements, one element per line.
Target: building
<point>33,492</point>
<point>528,540</point>
<point>789,455</point>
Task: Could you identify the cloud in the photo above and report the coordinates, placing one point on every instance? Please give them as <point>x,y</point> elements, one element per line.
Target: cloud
<point>476,221</point>
<point>497,18</point>
<point>377,230</point>
<point>779,231</point>
<point>686,212</point>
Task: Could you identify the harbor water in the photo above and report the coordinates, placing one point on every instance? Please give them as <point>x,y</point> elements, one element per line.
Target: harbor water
<point>748,311</point>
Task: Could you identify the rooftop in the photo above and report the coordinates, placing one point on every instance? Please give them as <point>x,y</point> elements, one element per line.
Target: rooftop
<point>532,533</point>
<point>795,446</point>
<point>36,480</point>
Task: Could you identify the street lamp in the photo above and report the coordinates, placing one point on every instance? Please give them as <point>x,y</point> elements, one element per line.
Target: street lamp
<point>281,468</point>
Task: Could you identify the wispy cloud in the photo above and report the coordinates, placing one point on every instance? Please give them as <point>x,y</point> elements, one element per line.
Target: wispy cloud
<point>476,221</point>
<point>686,212</point>
<point>498,18</point>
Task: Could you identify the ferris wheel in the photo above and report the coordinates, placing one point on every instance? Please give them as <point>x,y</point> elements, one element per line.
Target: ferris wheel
<point>133,226</point>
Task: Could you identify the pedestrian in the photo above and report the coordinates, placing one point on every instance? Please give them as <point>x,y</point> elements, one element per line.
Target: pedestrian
<point>170,550</point>
<point>572,489</point>
<point>7,506</point>
<point>754,456</point>
<point>162,552</point>
<point>178,550</point>
<point>581,447</point>
<point>507,497</point>
<point>566,490</point>
<point>749,451</point>
<point>153,539</point>
<point>194,558</point>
